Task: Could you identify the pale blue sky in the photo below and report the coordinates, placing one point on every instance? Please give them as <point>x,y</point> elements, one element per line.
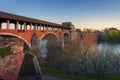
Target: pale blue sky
<point>96,14</point>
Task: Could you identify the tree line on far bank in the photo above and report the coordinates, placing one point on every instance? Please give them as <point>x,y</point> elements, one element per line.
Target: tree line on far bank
<point>108,35</point>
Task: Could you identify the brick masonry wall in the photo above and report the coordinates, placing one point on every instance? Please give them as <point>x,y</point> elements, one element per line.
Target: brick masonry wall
<point>10,65</point>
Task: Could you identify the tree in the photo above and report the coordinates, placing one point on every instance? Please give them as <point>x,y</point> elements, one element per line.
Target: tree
<point>55,54</point>
<point>35,51</point>
<point>111,36</point>
<point>79,49</point>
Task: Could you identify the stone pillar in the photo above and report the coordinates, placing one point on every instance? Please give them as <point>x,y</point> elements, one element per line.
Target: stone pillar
<point>16,25</point>
<point>46,27</point>
<point>8,24</point>
<point>63,40</point>
<point>25,27</point>
<point>52,28</point>
<point>30,26</point>
<point>43,27</point>
<point>21,26</point>
<point>40,27</point>
<point>35,28</point>
<point>0,25</point>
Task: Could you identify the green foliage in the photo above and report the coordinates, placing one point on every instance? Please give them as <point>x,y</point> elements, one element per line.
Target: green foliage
<point>34,50</point>
<point>112,36</point>
<point>80,76</point>
<point>55,72</point>
<point>5,51</point>
<point>54,56</point>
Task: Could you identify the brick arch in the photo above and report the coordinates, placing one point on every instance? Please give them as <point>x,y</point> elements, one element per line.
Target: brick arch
<point>49,33</point>
<point>66,37</point>
<point>66,32</point>
<point>10,34</point>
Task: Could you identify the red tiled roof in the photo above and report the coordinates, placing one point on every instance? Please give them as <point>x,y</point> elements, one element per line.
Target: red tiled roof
<point>27,19</point>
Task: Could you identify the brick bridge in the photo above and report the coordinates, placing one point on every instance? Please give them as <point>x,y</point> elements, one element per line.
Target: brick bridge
<point>25,27</point>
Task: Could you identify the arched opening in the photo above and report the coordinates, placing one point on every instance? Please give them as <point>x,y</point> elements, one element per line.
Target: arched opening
<point>3,25</point>
<point>66,38</point>
<point>51,51</point>
<point>12,26</point>
<point>28,27</point>
<point>9,40</point>
<point>49,40</point>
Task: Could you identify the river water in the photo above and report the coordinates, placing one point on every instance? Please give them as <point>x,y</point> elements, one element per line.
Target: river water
<point>43,47</point>
<point>103,47</point>
<point>115,47</point>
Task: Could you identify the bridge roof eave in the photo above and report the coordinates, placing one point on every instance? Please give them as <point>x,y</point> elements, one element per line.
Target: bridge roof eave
<point>10,16</point>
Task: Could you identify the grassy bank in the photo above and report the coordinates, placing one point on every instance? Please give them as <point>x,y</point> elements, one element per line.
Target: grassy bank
<point>80,76</point>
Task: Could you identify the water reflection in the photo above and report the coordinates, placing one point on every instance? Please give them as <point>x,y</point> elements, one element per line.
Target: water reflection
<point>43,47</point>
<point>103,46</point>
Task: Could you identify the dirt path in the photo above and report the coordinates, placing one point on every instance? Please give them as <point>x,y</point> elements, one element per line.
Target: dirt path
<point>47,77</point>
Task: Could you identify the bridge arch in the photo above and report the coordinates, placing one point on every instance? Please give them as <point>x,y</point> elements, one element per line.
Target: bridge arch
<point>48,34</point>
<point>66,32</point>
<point>10,34</point>
<point>48,40</point>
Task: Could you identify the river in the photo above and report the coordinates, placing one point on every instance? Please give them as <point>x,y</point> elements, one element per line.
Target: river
<point>106,60</point>
<point>114,47</point>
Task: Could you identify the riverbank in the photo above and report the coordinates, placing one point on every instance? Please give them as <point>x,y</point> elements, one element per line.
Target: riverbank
<point>79,76</point>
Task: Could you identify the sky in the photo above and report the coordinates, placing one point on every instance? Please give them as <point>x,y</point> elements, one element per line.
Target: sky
<point>93,14</point>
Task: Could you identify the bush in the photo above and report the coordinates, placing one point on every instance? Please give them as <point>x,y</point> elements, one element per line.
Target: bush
<point>5,51</point>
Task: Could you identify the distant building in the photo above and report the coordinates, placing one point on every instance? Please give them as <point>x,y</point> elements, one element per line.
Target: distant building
<point>113,29</point>
<point>74,31</point>
<point>109,29</point>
